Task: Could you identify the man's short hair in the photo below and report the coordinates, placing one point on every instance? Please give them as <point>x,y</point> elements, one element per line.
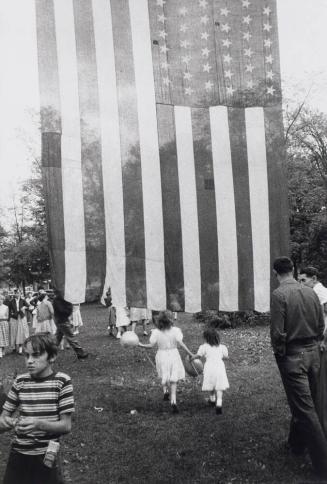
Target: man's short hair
<point>310,271</point>
<point>283,265</point>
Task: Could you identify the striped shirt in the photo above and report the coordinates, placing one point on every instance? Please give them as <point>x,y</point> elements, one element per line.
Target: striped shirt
<point>47,398</point>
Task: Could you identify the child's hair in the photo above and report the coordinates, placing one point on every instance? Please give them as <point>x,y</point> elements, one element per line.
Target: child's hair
<point>211,336</point>
<point>41,296</point>
<point>215,323</point>
<point>164,321</point>
<point>43,343</point>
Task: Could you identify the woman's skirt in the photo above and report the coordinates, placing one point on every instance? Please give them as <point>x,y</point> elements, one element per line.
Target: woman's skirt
<point>4,334</point>
<point>47,326</point>
<point>18,331</point>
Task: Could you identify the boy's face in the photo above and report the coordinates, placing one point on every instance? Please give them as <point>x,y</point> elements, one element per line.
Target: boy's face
<point>38,364</point>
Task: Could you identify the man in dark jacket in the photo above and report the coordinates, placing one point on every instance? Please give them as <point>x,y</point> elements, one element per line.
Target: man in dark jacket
<point>297,327</point>
<point>63,319</point>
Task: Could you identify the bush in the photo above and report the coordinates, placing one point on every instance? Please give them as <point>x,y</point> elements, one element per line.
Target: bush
<point>234,319</point>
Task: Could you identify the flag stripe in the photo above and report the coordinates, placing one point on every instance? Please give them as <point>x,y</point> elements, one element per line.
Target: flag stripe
<point>51,137</point>
<point>206,203</point>
<point>71,154</point>
<point>95,243</point>
<point>189,211</point>
<point>131,159</point>
<point>257,162</point>
<point>225,209</point>
<point>278,202</point>
<point>149,150</point>
<point>110,154</point>
<point>171,209</point>
<point>242,207</point>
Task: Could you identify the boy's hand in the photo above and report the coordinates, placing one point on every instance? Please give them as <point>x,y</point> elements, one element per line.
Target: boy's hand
<point>27,425</point>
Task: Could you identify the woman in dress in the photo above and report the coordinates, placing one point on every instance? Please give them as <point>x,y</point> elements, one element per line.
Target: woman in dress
<point>44,316</point>
<point>18,327</point>
<point>4,327</point>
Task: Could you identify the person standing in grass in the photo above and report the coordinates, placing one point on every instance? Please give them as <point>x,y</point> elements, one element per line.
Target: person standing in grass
<point>297,328</point>
<point>215,378</point>
<point>4,327</point>
<point>45,403</point>
<point>169,364</point>
<point>111,312</point>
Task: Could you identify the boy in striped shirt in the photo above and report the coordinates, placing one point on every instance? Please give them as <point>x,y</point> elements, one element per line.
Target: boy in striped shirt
<point>45,403</point>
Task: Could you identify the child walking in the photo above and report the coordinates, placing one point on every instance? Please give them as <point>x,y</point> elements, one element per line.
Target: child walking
<point>44,402</point>
<point>215,378</point>
<point>4,327</point>
<point>169,364</point>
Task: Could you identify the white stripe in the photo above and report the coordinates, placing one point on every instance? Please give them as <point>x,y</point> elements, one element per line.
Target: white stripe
<point>259,202</point>
<point>189,210</point>
<point>225,207</point>
<point>149,147</point>
<point>75,260</point>
<point>111,153</point>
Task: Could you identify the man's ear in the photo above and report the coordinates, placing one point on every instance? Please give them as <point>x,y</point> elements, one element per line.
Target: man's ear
<point>314,278</point>
<point>52,359</point>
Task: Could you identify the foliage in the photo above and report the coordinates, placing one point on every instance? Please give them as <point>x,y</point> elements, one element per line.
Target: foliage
<point>306,142</point>
<point>24,249</point>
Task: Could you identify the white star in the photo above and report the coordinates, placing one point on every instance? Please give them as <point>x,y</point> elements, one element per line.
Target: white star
<point>185,44</point>
<point>203,3</point>
<point>225,28</point>
<point>227,43</point>
<point>270,74</point>
<point>224,11</point>
<point>266,10</point>
<point>245,3</point>
<point>205,52</point>
<point>207,67</point>
<point>163,34</point>
<point>183,28</point>
<point>230,90</point>
<point>208,85</point>
<point>164,65</point>
<point>188,91</point>
<point>249,68</point>
<point>205,36</point>
<point>162,18</point>
<point>186,59</point>
<point>267,42</point>
<point>249,84</point>
<point>204,20</point>
<point>269,59</point>
<point>188,76</point>
<point>247,36</point>
<point>183,11</point>
<point>267,27</point>
<point>248,52</point>
<point>227,58</point>
<point>161,2</point>
<point>164,49</point>
<point>270,90</point>
<point>247,20</point>
<point>166,81</point>
<point>229,74</point>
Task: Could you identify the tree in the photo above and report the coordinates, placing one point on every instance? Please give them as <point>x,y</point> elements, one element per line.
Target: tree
<point>306,142</point>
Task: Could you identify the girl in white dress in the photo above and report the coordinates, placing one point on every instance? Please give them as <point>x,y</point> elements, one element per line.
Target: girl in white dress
<point>169,364</point>
<point>215,378</point>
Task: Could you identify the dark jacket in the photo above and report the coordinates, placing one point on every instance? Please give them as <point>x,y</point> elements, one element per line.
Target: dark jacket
<point>13,311</point>
<point>62,310</point>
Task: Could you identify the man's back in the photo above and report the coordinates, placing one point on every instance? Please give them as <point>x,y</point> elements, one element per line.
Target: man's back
<point>295,313</point>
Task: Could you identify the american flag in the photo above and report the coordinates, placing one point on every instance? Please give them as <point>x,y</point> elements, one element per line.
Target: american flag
<point>163,150</point>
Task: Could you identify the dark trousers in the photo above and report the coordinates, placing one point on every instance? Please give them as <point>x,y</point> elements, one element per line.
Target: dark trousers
<point>65,329</point>
<point>300,376</point>
<point>29,469</point>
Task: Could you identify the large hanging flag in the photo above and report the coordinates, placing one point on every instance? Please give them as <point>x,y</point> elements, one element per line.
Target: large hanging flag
<point>163,150</point>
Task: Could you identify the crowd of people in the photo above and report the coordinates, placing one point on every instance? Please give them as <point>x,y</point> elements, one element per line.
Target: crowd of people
<point>21,317</point>
<point>298,338</point>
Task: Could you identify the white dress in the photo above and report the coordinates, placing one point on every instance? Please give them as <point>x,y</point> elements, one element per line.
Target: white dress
<point>77,317</point>
<point>169,364</point>
<point>122,318</point>
<point>137,314</point>
<point>214,371</point>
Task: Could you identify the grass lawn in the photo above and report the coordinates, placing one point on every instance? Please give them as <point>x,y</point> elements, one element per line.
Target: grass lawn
<point>109,444</point>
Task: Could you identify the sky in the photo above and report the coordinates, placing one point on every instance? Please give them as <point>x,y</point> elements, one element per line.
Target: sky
<point>302,36</point>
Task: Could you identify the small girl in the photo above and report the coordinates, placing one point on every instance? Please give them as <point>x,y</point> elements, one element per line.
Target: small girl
<point>169,364</point>
<point>77,318</point>
<point>214,373</point>
<point>111,312</point>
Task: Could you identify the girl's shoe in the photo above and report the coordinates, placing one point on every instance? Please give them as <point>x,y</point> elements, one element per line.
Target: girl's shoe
<point>219,410</point>
<point>174,408</point>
